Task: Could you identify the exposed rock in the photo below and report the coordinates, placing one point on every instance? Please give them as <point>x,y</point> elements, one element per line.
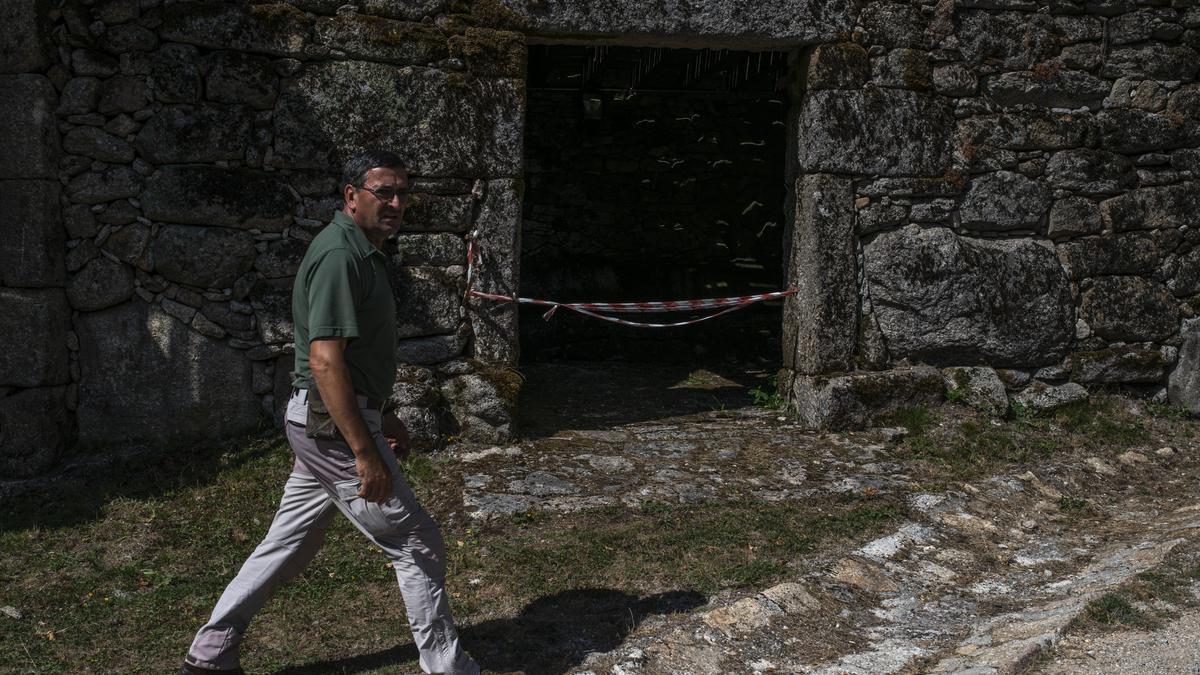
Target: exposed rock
<point>205,257</point>
<point>843,65</point>
<point>433,349</point>
<point>424,428</point>
<point>439,213</point>
<point>1019,312</point>
<point>277,29</point>
<point>1061,89</point>
<point>428,301</point>
<point>1129,130</point>
<point>24,43</point>
<point>888,132</point>
<point>747,614</point>
<point>123,93</point>
<point>1183,387</point>
<point>37,428</point>
<point>234,77</point>
<point>803,22</point>
<point>1074,216</point>
<point>978,387</point>
<point>175,74</point>
<point>119,213</point>
<point>101,283</point>
<point>857,399</point>
<point>205,195</point>
<point>1152,62</point>
<point>904,69</point>
<point>95,187</point>
<point>955,80</point>
<point>441,125</point>
<point>1042,397</point>
<point>482,405</point>
<point>1130,309</point>
<point>864,575</point>
<point>1091,172</point>
<point>490,53</point>
<point>895,24</point>
<point>1119,364</point>
<point>97,144</point>
<point>272,302</point>
<point>131,245</point>
<point>1138,26</point>
<point>1130,253</point>
<point>27,130</point>
<point>1186,280</point>
<point>31,250</point>
<point>79,96</point>
<point>81,254</point>
<point>1012,40</point>
<point>1169,206</point>
<point>92,63</point>
<point>437,250</point>
<point>499,230</point>
<point>823,268</point>
<point>281,259</point>
<point>878,216</point>
<point>128,38</point>
<point>372,38</point>
<point>1004,201</point>
<point>37,317</point>
<point>146,377</point>
<point>203,133</point>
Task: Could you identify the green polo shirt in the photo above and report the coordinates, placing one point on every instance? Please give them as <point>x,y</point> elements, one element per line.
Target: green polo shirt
<point>342,290</point>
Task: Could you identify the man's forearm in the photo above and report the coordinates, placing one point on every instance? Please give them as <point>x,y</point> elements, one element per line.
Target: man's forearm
<point>337,391</point>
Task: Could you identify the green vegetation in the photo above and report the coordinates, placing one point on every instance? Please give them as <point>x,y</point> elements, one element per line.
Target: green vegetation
<point>767,395</point>
<point>116,576</point>
<point>917,419</point>
<point>1112,610</point>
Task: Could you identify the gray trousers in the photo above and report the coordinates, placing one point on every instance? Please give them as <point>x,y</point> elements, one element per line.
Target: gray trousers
<point>323,482</point>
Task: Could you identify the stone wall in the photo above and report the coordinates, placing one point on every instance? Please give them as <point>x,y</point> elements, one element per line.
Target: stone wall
<point>998,183</point>
<point>169,162</point>
<point>1013,184</point>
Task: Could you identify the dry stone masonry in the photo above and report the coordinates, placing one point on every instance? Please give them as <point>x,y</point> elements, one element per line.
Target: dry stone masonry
<point>1008,188</point>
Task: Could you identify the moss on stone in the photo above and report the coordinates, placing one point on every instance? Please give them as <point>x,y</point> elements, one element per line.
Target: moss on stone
<point>489,52</point>
<point>495,14</point>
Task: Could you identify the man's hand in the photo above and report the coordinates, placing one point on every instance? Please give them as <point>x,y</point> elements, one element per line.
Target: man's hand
<point>396,435</point>
<point>375,479</point>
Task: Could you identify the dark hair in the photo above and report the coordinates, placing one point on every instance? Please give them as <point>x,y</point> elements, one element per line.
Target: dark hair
<point>356,168</point>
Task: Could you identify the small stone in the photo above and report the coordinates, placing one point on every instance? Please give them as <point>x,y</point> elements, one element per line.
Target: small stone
<point>178,310</point>
<point>1132,458</point>
<point>11,612</point>
<point>1100,466</point>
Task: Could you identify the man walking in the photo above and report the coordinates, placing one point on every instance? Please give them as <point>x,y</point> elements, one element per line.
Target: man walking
<point>345,323</point>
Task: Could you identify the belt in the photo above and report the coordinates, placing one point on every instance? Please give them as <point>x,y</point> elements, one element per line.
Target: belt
<point>372,403</point>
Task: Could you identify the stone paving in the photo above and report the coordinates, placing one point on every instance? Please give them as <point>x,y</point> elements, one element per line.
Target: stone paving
<point>980,578</point>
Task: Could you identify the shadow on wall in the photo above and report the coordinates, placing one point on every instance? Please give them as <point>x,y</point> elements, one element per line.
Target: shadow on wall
<point>551,635</point>
<point>224,127</point>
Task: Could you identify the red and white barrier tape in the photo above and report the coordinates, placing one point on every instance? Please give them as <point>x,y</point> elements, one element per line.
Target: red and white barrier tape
<point>592,308</point>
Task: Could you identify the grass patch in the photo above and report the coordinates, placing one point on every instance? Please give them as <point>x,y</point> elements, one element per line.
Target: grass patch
<point>124,570</point>
<point>767,396</point>
<point>1112,610</point>
<point>917,419</point>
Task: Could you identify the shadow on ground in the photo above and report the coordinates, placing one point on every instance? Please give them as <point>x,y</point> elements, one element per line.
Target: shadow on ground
<point>79,491</point>
<point>551,635</point>
<point>580,395</point>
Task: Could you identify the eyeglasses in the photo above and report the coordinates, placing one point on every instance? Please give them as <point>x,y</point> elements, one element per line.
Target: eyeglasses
<point>387,194</point>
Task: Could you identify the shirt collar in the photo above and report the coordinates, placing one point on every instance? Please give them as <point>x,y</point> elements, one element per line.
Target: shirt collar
<point>355,234</point>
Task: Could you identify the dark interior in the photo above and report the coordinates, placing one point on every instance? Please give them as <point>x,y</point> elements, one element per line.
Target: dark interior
<point>653,174</point>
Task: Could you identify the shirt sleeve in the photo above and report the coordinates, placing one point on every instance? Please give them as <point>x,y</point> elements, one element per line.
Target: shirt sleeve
<point>334,284</point>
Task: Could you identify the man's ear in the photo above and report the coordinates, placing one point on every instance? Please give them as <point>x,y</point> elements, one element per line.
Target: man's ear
<point>350,196</point>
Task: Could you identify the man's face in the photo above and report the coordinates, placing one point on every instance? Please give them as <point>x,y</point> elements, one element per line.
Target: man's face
<point>377,218</point>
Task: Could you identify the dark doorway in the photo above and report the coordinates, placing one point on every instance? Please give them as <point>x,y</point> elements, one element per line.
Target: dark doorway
<point>654,174</point>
